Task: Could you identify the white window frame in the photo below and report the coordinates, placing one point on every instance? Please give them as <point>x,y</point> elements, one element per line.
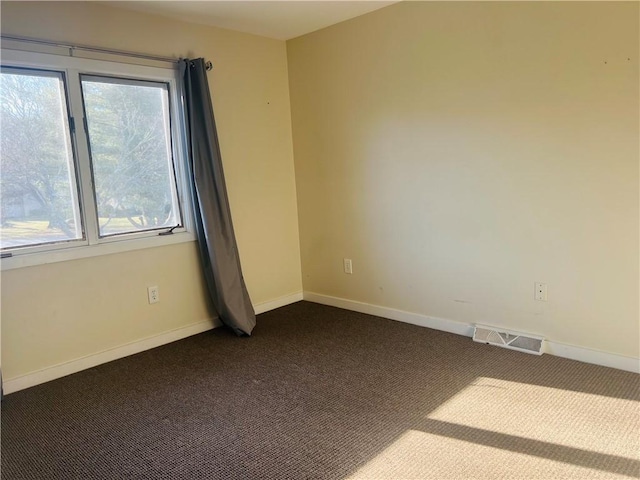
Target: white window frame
<point>93,244</point>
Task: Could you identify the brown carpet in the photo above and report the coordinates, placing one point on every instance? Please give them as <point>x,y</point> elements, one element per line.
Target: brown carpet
<point>320,392</point>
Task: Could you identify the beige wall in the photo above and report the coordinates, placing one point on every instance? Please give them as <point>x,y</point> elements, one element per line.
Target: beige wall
<point>60,312</point>
<point>460,152</point>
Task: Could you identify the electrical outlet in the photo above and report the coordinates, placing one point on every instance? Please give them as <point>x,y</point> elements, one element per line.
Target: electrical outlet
<point>540,292</point>
<point>154,294</point>
<point>348,266</point>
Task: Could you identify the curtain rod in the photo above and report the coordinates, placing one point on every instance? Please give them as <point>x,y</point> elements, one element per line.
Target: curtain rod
<point>88,48</point>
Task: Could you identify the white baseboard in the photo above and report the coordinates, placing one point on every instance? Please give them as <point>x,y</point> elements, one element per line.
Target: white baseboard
<point>581,354</point>
<point>277,303</point>
<point>557,349</point>
<point>73,366</point>
<point>597,357</point>
<point>393,314</point>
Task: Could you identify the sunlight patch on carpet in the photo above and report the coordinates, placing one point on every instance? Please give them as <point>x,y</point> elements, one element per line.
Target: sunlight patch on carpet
<point>574,419</point>
<point>495,428</point>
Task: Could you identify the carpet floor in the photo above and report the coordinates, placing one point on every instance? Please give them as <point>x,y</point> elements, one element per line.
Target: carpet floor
<point>319,392</point>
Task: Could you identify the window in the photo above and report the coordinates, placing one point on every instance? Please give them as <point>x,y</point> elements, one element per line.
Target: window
<point>38,182</point>
<point>130,145</point>
<point>91,158</point>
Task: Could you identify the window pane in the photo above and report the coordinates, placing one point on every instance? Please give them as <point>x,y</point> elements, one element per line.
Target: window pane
<point>130,142</point>
<point>38,193</point>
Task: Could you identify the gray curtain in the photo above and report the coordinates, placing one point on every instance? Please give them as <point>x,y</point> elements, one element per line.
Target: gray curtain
<point>218,248</point>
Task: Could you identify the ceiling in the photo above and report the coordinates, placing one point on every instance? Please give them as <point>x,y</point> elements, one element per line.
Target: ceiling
<point>275,19</point>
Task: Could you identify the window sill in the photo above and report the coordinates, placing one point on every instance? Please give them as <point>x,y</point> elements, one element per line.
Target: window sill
<point>107,248</point>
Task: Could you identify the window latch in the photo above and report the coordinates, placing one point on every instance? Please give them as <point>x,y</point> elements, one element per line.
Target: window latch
<point>168,232</point>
